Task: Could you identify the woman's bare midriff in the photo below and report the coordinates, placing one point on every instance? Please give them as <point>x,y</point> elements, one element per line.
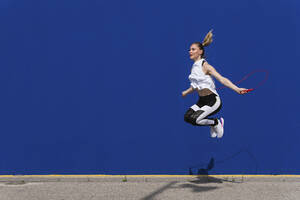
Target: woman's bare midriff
<point>204,92</point>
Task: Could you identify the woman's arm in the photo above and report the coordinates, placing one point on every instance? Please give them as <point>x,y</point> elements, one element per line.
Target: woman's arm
<point>225,81</point>
<point>187,91</point>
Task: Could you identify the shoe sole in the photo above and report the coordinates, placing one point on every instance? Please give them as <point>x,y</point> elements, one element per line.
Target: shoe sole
<point>212,135</point>
<point>222,123</point>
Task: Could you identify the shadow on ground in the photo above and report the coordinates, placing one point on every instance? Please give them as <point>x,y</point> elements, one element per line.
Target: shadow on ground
<point>192,186</point>
<point>160,190</point>
<point>195,184</point>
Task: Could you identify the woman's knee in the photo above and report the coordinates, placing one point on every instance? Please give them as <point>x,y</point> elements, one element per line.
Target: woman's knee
<point>192,116</point>
<point>187,116</point>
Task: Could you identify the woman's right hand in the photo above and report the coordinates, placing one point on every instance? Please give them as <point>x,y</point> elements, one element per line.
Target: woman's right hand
<point>187,91</point>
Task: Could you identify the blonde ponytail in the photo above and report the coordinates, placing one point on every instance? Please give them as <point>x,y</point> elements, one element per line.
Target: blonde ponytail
<point>208,39</point>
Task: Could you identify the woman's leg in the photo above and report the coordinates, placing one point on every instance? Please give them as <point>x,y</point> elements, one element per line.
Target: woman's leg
<point>210,108</point>
<point>206,106</point>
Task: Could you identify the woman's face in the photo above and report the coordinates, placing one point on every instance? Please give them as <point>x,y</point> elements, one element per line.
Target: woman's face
<point>195,52</point>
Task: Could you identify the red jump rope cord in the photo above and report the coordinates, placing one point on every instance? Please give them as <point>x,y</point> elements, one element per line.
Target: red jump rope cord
<point>250,74</point>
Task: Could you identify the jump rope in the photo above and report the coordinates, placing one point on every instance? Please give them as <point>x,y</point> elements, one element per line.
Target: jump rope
<point>250,74</point>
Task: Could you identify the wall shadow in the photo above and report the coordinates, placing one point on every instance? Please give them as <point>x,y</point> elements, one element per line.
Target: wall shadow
<point>203,168</point>
<point>203,175</point>
<point>203,171</point>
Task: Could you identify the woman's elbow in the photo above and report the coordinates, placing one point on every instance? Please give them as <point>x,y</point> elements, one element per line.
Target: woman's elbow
<point>224,80</point>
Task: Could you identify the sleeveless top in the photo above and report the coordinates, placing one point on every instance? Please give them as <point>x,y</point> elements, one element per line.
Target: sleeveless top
<point>199,80</point>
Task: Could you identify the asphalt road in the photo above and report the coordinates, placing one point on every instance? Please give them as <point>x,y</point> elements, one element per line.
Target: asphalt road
<point>149,188</point>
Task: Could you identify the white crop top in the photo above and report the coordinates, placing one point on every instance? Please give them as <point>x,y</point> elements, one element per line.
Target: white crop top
<point>199,80</point>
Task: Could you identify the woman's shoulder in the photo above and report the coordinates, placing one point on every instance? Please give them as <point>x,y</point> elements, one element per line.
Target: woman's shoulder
<point>204,61</point>
<point>200,62</point>
<point>205,67</point>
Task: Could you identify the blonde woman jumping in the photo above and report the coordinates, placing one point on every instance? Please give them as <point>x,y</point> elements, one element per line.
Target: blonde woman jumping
<point>201,80</point>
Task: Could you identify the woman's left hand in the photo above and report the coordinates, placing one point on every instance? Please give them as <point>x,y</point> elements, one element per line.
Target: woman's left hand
<point>241,90</point>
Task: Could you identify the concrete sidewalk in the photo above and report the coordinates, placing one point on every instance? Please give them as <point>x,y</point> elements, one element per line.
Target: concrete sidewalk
<point>59,187</point>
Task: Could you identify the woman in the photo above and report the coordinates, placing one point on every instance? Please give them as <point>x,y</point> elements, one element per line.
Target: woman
<point>201,80</point>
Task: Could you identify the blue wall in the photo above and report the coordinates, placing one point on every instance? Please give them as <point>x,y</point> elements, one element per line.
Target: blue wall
<point>94,87</point>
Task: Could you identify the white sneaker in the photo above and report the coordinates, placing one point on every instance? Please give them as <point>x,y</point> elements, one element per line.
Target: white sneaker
<point>219,128</point>
<point>213,133</point>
